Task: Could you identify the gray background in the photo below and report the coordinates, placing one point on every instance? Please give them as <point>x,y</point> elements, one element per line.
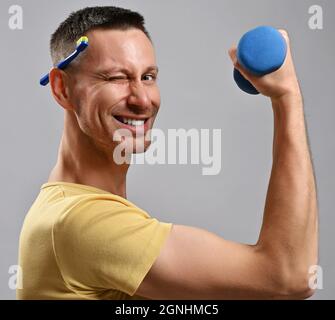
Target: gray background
<point>191,40</point>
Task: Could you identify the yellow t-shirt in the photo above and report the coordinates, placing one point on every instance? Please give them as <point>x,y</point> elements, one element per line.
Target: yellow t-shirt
<point>80,242</point>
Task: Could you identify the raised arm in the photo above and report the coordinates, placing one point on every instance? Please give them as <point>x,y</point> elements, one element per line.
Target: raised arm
<point>197,264</point>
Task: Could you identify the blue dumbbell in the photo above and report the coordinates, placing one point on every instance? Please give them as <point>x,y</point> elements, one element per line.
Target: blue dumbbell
<point>260,51</point>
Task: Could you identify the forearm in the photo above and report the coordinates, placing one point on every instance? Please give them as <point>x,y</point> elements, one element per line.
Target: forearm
<point>290,228</point>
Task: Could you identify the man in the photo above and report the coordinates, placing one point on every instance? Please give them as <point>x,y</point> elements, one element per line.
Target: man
<point>82,239</point>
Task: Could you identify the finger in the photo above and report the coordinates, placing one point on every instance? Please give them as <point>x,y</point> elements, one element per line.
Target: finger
<point>233,56</point>
<point>243,72</point>
<point>284,33</point>
<point>232,53</point>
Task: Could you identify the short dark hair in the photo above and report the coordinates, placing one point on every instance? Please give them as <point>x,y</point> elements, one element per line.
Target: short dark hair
<point>63,40</point>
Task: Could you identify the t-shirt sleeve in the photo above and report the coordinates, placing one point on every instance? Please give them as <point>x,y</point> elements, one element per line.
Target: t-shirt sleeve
<point>102,245</point>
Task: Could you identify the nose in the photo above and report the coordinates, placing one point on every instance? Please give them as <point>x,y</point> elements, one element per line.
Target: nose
<point>138,98</point>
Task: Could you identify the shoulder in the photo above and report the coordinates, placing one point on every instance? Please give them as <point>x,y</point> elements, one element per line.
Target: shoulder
<point>95,211</point>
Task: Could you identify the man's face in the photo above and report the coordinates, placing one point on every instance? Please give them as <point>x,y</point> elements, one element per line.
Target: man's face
<point>113,86</point>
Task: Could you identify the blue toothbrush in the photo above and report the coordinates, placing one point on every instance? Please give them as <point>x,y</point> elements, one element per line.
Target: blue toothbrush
<point>82,44</point>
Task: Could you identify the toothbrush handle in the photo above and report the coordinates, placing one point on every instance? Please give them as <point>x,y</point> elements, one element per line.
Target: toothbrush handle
<point>44,80</point>
<point>62,65</point>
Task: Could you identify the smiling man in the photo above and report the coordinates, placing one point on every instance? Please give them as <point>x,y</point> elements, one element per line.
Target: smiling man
<point>82,238</point>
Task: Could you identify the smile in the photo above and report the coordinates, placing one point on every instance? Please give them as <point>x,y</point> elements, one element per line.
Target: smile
<point>134,125</point>
<point>129,121</point>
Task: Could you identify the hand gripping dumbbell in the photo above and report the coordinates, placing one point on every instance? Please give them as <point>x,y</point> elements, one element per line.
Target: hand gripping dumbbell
<point>260,51</point>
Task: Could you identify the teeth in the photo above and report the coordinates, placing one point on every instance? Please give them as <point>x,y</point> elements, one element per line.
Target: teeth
<point>133,122</point>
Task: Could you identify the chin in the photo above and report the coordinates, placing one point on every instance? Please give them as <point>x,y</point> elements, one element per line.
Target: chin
<point>140,148</point>
<point>131,146</point>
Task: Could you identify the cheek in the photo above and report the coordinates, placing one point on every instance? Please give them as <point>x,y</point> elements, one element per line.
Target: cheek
<point>88,105</point>
<point>155,96</point>
<point>109,95</point>
<point>97,101</point>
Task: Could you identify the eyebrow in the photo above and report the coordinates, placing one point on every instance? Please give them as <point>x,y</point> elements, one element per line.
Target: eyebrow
<point>152,68</point>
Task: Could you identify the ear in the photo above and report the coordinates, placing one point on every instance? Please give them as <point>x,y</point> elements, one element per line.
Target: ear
<point>59,88</point>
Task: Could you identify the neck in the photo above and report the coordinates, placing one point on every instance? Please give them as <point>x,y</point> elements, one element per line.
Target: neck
<point>81,161</point>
